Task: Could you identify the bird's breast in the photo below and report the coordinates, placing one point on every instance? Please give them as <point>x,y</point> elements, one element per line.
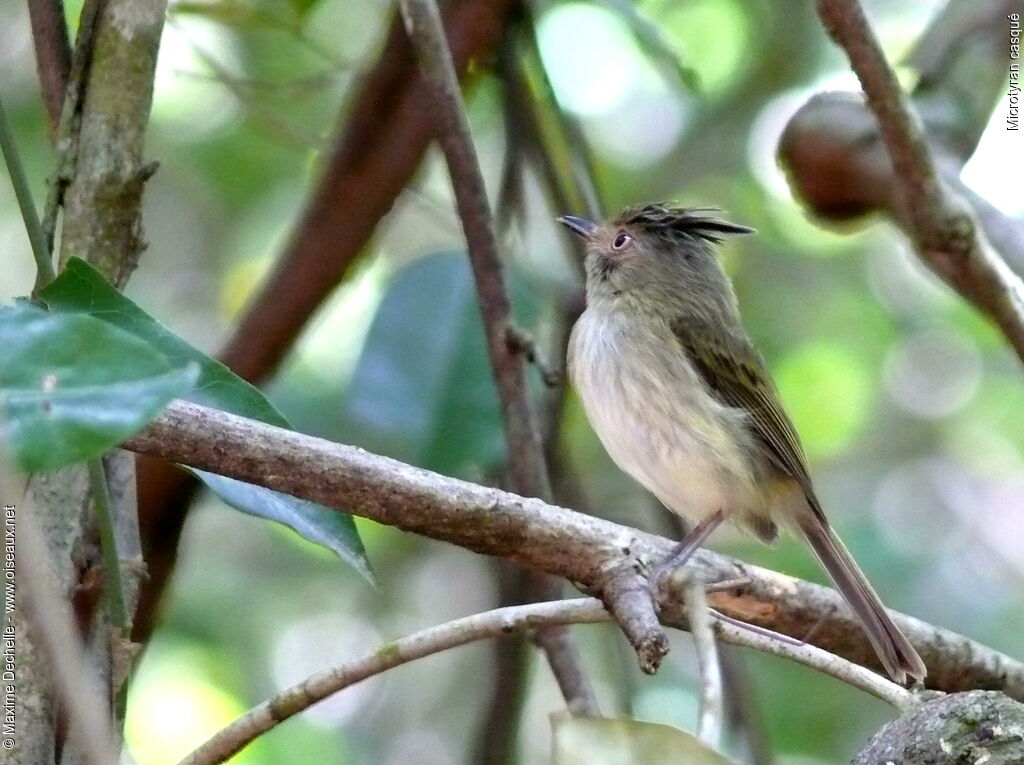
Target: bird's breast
<point>656,417</point>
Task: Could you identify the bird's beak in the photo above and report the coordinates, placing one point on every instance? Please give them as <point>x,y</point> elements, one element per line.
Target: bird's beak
<point>579,226</point>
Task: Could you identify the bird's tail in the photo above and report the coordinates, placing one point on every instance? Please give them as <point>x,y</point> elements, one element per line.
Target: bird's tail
<point>896,653</point>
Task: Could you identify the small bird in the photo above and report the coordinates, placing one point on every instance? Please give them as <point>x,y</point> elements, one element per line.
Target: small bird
<point>683,402</point>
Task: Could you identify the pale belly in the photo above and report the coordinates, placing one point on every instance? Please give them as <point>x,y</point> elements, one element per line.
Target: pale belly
<point>657,420</point>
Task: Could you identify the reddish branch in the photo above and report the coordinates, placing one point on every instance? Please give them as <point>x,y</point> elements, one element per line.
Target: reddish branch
<point>832,147</point>
<point>387,129</point>
<point>938,221</point>
<point>53,55</point>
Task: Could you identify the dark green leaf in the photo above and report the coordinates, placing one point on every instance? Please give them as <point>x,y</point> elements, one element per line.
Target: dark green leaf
<point>82,289</point>
<point>422,390</point>
<point>73,387</point>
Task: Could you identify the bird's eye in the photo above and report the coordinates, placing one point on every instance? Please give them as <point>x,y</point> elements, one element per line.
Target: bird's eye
<point>621,241</point>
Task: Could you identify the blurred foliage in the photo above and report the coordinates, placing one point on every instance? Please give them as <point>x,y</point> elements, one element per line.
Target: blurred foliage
<point>920,463</point>
<point>422,391</point>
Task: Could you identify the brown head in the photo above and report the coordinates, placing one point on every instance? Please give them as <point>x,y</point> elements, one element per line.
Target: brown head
<point>656,255</point>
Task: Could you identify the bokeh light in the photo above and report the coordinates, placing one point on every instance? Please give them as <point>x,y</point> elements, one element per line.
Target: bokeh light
<point>590,57</point>
<point>176,705</point>
<point>827,391</point>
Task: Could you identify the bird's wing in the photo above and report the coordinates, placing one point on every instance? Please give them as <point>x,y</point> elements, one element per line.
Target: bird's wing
<point>735,373</point>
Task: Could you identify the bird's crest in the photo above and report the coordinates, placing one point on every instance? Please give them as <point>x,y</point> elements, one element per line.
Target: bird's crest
<point>681,222</point>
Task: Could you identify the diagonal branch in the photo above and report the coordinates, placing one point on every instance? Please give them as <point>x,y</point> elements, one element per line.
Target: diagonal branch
<point>544,537</point>
<point>834,155</point>
<point>939,222</point>
<point>528,473</point>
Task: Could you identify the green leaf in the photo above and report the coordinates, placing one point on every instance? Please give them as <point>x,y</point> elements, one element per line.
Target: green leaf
<point>423,391</point>
<point>73,387</point>
<point>81,289</point>
<point>330,528</point>
<point>605,741</point>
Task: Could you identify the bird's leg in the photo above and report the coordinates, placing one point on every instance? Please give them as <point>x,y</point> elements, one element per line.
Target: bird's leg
<point>686,547</point>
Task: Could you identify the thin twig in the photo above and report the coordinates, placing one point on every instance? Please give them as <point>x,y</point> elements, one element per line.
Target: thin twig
<point>44,266</point>
<point>582,166</point>
<point>522,342</point>
<point>527,469</point>
<point>275,127</point>
<point>65,140</point>
<point>560,649</point>
<point>538,535</point>
<point>710,717</point>
<point>501,621</point>
<point>55,628</point>
<point>827,663</point>
<point>385,133</point>
<point>944,232</point>
<point>113,581</point>
<point>499,716</point>
<point>528,472</point>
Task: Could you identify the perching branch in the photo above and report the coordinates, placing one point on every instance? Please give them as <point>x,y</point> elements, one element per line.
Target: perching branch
<point>501,621</point>
<point>528,473</point>
<point>939,222</point>
<point>561,542</point>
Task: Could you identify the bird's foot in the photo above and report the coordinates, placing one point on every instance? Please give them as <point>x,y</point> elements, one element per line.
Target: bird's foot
<point>683,551</point>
